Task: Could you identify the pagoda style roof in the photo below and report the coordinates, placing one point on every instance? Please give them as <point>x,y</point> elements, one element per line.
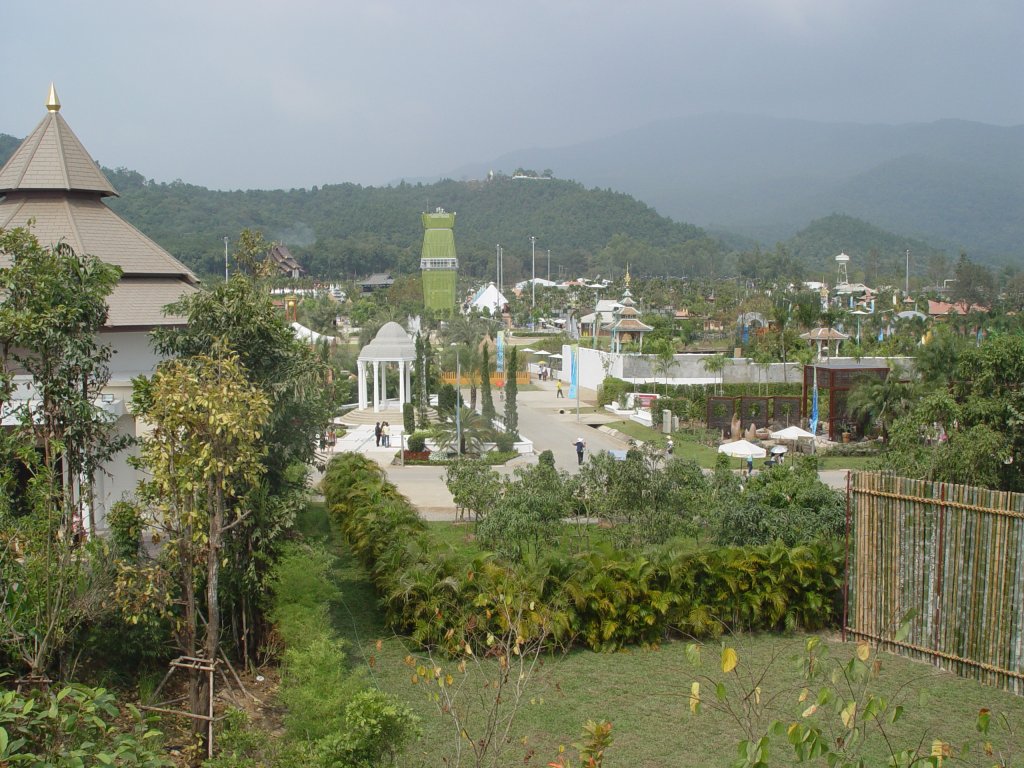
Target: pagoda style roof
<point>824,334</point>
<point>90,227</point>
<point>52,187</point>
<point>631,325</point>
<point>53,158</point>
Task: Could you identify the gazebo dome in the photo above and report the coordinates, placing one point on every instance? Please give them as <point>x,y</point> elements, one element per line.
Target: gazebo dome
<point>391,343</point>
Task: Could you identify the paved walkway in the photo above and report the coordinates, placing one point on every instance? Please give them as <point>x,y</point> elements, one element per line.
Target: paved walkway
<point>550,422</point>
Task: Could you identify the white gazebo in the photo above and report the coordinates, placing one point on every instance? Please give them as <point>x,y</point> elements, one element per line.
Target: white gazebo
<point>391,345</point>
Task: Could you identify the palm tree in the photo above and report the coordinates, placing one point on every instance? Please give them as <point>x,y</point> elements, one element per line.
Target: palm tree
<point>716,364</point>
<point>476,430</point>
<point>879,402</point>
<point>665,359</point>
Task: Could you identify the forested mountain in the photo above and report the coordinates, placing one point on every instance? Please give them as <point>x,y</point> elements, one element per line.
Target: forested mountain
<point>955,184</point>
<point>347,230</point>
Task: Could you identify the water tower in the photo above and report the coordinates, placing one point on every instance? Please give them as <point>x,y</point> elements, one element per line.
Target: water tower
<point>841,261</point>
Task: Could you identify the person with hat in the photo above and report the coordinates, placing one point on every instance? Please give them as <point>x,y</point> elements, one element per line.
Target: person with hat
<point>580,447</point>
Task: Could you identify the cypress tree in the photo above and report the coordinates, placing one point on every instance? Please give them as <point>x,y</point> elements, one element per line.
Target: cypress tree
<point>511,390</point>
<point>487,407</point>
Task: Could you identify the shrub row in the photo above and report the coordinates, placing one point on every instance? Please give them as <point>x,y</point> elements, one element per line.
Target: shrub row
<point>603,600</point>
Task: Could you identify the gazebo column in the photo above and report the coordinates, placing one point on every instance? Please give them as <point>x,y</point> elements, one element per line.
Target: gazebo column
<point>401,383</point>
<point>408,380</point>
<point>361,366</point>
<point>376,386</point>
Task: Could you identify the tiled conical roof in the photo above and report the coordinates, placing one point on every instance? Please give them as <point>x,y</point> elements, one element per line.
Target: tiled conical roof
<point>52,158</point>
<point>52,186</point>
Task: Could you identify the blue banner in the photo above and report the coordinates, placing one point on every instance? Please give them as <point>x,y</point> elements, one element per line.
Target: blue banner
<point>499,362</point>
<point>574,373</point>
<point>812,425</point>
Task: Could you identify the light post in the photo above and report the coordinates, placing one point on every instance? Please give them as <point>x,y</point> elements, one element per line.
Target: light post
<point>225,258</point>
<point>497,265</point>
<point>533,281</point>
<point>458,401</point>
<point>549,265</point>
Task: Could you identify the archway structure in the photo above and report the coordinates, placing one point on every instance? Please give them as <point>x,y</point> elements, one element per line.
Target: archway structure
<point>391,345</point>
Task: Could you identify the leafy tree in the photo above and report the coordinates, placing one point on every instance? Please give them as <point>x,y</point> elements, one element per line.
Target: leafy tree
<point>785,503</point>
<point>474,486</point>
<point>974,283</point>
<point>54,306</point>
<point>202,454</point>
<point>527,516</point>
<point>716,364</point>
<point>664,359</point>
<point>239,316</point>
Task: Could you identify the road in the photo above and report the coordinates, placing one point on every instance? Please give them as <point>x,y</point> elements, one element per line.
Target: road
<point>548,421</point>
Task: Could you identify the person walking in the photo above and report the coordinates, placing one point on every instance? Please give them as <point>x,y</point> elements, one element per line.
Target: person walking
<point>385,434</point>
<point>558,390</point>
<point>377,433</point>
<point>580,448</point>
<point>670,447</point>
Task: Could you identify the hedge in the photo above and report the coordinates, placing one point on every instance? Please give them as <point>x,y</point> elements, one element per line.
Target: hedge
<point>600,600</point>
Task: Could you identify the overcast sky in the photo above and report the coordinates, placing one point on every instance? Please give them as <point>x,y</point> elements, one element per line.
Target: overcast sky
<point>293,93</point>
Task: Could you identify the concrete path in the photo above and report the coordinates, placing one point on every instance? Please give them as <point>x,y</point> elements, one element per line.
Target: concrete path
<point>550,422</point>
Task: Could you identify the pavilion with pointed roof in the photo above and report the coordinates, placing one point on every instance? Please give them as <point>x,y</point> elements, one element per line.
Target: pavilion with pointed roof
<point>627,326</point>
<point>51,181</point>
<point>51,186</point>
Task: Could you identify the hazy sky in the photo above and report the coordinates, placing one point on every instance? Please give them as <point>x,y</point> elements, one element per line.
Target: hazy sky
<point>293,93</point>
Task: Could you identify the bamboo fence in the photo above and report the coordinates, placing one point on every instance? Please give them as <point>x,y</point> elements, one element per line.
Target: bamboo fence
<point>951,557</point>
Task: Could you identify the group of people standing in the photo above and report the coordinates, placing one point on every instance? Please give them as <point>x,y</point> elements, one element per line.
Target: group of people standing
<point>382,431</point>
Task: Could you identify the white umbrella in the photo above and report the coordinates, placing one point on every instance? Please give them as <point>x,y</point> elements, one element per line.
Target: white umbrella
<point>742,449</point>
<point>542,353</point>
<point>791,433</point>
<point>556,356</point>
<point>527,349</point>
<point>777,449</point>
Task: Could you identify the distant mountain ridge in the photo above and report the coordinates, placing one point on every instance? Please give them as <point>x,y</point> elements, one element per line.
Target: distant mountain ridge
<point>952,183</point>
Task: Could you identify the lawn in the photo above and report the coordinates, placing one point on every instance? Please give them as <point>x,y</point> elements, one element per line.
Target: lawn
<point>705,456</point>
<point>645,692</point>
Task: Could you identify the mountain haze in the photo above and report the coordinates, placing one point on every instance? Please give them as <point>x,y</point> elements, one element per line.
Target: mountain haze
<point>955,184</point>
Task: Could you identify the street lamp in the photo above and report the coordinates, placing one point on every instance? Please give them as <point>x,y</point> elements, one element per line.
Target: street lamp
<point>533,282</point>
<point>225,258</point>
<point>458,401</point>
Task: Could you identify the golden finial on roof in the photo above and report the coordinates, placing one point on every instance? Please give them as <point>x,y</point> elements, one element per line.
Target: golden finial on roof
<point>52,102</point>
<point>627,276</point>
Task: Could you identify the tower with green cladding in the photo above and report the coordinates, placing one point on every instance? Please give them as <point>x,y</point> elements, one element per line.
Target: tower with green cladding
<point>438,264</point>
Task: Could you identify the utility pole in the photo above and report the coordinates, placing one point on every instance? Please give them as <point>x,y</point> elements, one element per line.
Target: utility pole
<point>533,281</point>
<point>497,265</point>
<point>225,258</point>
<point>906,285</point>
<point>549,265</point>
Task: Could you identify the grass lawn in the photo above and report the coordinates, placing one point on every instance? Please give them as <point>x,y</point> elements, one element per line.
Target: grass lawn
<point>644,693</point>
<point>705,456</point>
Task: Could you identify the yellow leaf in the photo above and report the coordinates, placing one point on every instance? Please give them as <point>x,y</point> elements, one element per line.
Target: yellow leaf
<point>757,695</point>
<point>694,696</point>
<point>863,650</point>
<point>849,713</point>
<point>448,679</point>
<point>729,660</point>
<point>803,695</point>
<point>810,710</point>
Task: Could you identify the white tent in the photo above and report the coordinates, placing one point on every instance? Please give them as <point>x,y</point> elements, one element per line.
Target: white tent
<point>791,433</point>
<point>490,297</point>
<point>742,449</point>
<point>311,336</point>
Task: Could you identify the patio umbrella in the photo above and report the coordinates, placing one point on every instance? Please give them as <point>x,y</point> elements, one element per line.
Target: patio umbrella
<point>777,449</point>
<point>742,449</point>
<point>791,433</point>
<point>542,353</point>
<point>556,357</point>
<point>527,349</point>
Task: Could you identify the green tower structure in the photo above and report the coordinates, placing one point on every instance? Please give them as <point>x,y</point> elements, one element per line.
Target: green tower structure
<point>438,264</point>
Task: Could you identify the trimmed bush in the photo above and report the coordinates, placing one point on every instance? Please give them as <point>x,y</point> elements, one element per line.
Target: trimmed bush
<point>504,442</point>
<point>600,600</point>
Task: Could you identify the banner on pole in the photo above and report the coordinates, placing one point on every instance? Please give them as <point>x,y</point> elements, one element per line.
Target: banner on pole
<point>574,373</point>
